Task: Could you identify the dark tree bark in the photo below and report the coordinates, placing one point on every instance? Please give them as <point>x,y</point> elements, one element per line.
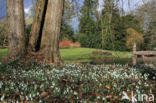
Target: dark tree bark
<point>16,36</point>
<point>51,31</point>
<point>37,26</point>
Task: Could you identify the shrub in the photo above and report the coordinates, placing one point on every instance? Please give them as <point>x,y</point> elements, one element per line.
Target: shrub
<point>133,37</point>
<point>69,44</point>
<point>83,39</point>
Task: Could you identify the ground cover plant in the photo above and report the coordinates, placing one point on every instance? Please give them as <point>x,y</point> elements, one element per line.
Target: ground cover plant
<point>84,83</point>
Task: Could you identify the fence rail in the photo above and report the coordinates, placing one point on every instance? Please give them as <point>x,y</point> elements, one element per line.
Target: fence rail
<point>144,55</point>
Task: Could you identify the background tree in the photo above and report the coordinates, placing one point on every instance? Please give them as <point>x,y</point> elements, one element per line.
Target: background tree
<point>120,27</point>
<point>87,23</point>
<point>69,13</point>
<point>67,32</point>
<point>133,37</point>
<point>16,36</point>
<point>130,21</point>
<point>110,25</point>
<point>150,37</point>
<point>146,15</point>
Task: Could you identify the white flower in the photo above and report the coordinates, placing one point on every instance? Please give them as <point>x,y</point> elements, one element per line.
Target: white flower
<point>27,98</point>
<point>40,101</point>
<point>75,93</point>
<point>1,84</point>
<point>98,97</point>
<point>2,98</point>
<point>103,98</point>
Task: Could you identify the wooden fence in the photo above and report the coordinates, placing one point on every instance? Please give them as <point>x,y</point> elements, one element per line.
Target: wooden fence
<point>144,54</point>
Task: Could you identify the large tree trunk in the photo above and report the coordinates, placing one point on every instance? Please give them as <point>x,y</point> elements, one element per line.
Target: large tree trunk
<point>16,36</point>
<point>51,31</point>
<point>36,30</point>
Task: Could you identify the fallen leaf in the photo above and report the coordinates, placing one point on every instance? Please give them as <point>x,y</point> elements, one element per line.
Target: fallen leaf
<point>43,94</point>
<point>151,91</point>
<point>108,86</point>
<point>110,96</point>
<point>25,101</point>
<point>81,94</point>
<point>81,85</point>
<point>65,80</point>
<point>116,97</point>
<point>21,98</point>
<point>3,77</point>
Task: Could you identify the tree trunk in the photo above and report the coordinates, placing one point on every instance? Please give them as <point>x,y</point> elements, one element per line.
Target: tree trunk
<point>51,31</point>
<point>16,36</point>
<point>37,26</point>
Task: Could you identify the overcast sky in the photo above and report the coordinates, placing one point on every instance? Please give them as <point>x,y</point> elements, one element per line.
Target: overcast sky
<point>28,4</point>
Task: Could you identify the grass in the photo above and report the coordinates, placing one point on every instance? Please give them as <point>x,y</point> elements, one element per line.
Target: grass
<point>82,54</point>
<point>85,53</point>
<point>3,52</point>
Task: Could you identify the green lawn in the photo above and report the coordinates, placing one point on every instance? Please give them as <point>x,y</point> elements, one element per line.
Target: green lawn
<point>85,54</point>
<point>3,52</point>
<point>82,54</point>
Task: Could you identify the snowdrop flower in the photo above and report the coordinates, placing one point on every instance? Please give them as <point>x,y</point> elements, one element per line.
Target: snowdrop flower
<point>75,93</point>
<point>30,96</point>
<point>98,97</point>
<point>1,84</point>
<point>27,98</point>
<point>138,92</point>
<point>103,98</point>
<point>137,86</point>
<point>2,98</point>
<point>37,93</point>
<point>40,101</point>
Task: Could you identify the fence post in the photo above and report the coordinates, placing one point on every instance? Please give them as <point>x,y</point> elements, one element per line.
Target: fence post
<point>134,55</point>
